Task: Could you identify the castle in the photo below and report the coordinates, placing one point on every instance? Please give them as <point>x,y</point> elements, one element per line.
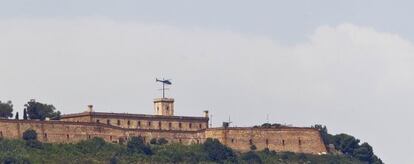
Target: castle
<point>118,127</point>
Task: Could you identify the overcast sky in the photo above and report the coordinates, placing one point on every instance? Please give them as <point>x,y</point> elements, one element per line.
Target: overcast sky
<point>348,65</point>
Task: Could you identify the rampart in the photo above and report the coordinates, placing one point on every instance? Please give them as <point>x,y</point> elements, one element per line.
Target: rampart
<point>300,140</point>
<point>292,139</point>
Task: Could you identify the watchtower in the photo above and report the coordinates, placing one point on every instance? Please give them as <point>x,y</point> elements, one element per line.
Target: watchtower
<point>164,106</point>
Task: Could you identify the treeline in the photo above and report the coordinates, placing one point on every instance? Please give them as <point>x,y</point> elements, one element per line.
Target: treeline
<point>349,146</point>
<point>33,110</point>
<point>135,150</point>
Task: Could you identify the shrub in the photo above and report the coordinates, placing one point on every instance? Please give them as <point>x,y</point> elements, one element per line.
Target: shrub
<point>9,160</point>
<point>217,151</point>
<point>153,141</point>
<point>30,135</point>
<point>251,157</point>
<point>34,144</point>
<point>137,145</point>
<point>253,147</point>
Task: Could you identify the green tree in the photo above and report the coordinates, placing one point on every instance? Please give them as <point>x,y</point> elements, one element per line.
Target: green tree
<point>364,152</point>
<point>217,151</point>
<point>6,109</point>
<point>30,134</point>
<point>345,143</point>
<point>137,145</point>
<point>37,110</point>
<point>24,114</point>
<point>251,157</point>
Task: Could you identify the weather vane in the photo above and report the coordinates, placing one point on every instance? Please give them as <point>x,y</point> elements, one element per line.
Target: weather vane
<point>164,82</point>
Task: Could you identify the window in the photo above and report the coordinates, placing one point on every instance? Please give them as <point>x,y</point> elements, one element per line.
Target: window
<point>159,124</point>
<point>45,135</point>
<point>169,125</point>
<point>110,138</point>
<point>139,123</point>
<point>179,125</point>
<point>283,142</point>
<point>198,141</point>
<point>97,121</point>
<point>250,141</point>
<point>190,125</point>
<point>300,142</point>
<point>119,122</point>
<point>108,122</point>
<point>1,134</point>
<point>129,122</point>
<point>89,136</point>
<point>149,123</point>
<point>200,126</point>
<point>267,141</point>
<point>67,136</point>
<point>232,140</point>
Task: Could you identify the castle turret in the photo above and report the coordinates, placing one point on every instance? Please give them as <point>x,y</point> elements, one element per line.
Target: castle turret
<point>164,106</point>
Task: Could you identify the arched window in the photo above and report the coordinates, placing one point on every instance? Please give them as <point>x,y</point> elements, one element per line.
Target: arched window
<point>200,126</point>
<point>179,125</point>
<point>169,125</point>
<point>300,142</point>
<point>119,122</point>
<point>149,123</point>
<point>159,124</point>
<point>108,122</point>
<point>129,122</point>
<point>190,125</point>
<point>283,142</point>
<point>67,136</point>
<point>139,124</point>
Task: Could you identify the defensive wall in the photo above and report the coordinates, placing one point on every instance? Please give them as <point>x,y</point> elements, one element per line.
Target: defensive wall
<point>292,139</point>
<point>282,139</point>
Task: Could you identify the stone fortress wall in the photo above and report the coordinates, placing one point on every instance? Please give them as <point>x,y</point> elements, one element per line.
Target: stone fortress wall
<point>119,127</point>
<point>299,140</point>
<point>292,139</point>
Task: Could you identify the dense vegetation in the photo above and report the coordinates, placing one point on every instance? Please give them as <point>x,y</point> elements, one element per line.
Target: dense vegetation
<point>33,110</point>
<point>6,109</point>
<point>96,150</point>
<point>349,146</point>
